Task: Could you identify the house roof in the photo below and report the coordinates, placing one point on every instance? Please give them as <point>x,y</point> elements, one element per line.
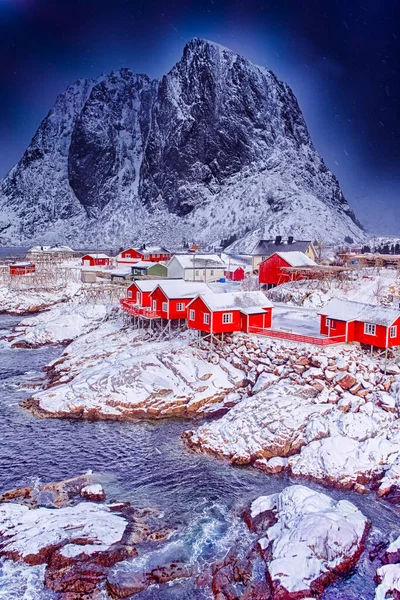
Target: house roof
<point>96,255</point>
<point>183,289</point>
<point>347,310</point>
<point>246,302</point>
<point>44,249</point>
<point>297,259</point>
<point>268,247</point>
<point>22,264</point>
<point>152,250</point>
<point>143,264</point>
<point>233,268</point>
<point>199,261</point>
<point>148,285</point>
<point>121,272</point>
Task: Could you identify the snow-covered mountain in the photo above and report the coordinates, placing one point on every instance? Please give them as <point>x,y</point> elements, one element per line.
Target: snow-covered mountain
<point>217,148</point>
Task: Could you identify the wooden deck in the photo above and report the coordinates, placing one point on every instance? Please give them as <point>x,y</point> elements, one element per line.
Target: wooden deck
<point>137,311</point>
<point>298,337</point>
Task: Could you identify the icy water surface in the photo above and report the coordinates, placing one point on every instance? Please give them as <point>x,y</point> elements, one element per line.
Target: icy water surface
<point>147,464</point>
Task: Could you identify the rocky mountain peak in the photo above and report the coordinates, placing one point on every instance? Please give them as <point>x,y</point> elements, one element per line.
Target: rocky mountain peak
<point>218,148</point>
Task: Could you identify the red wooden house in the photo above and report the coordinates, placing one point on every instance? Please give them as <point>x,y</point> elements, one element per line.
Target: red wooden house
<point>22,268</point>
<point>272,273</point>
<point>170,300</point>
<point>131,256</point>
<point>235,273</point>
<point>225,313</point>
<point>96,260</point>
<point>364,323</point>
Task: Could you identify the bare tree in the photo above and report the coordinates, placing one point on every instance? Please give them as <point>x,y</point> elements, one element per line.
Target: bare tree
<point>378,290</point>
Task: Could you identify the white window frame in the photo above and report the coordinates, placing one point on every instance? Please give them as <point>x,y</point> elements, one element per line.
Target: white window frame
<point>370,329</point>
<point>154,305</point>
<point>129,293</point>
<point>192,315</point>
<point>164,307</point>
<point>212,272</point>
<point>196,273</point>
<point>331,323</point>
<point>138,298</point>
<point>206,318</point>
<point>128,256</point>
<point>180,306</point>
<point>393,331</point>
<point>227,318</point>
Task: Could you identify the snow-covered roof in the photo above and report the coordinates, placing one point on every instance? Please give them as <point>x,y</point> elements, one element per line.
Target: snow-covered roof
<point>246,302</point>
<point>184,289</point>
<point>268,247</point>
<point>148,285</point>
<point>121,272</point>
<point>297,259</point>
<point>97,255</point>
<point>347,310</point>
<point>199,261</point>
<point>144,264</point>
<point>22,264</point>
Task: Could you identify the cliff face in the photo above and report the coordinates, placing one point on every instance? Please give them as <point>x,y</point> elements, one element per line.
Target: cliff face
<point>218,147</point>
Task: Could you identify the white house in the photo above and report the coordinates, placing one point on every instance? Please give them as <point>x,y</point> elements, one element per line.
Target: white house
<point>196,267</point>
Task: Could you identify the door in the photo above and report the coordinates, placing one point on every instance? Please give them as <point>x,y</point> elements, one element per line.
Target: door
<point>154,305</point>
<point>86,263</point>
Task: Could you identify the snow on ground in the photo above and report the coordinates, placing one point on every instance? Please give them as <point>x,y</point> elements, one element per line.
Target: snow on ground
<point>113,373</point>
<point>312,539</point>
<point>62,323</point>
<point>362,286</point>
<point>322,414</point>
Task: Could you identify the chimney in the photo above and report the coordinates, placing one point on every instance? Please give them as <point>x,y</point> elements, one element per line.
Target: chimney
<point>290,239</point>
<point>278,240</point>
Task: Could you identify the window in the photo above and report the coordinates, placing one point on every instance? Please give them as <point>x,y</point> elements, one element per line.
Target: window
<point>191,315</point>
<point>206,318</point>
<point>212,272</point>
<point>127,255</point>
<point>138,298</point>
<point>154,304</point>
<point>165,306</point>
<point>227,318</point>
<point>393,331</point>
<point>331,323</point>
<point>129,293</point>
<point>369,329</point>
<point>197,273</point>
<point>180,306</point>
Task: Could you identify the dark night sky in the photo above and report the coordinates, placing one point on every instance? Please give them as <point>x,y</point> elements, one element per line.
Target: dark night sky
<point>341,57</point>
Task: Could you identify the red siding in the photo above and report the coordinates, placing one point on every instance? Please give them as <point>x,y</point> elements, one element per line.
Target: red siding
<point>378,340</point>
<point>236,275</point>
<point>144,296</point>
<point>271,273</point>
<point>159,298</point>
<point>339,328</point>
<point>96,262</point>
<point>136,255</point>
<point>395,341</point>
<point>240,321</point>
<point>22,269</point>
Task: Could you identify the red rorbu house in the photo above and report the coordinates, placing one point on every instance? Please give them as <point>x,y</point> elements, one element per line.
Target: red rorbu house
<point>234,273</point>
<point>272,270</point>
<point>364,323</point>
<point>170,300</point>
<point>225,313</point>
<point>131,256</point>
<point>22,268</point>
<point>96,260</point>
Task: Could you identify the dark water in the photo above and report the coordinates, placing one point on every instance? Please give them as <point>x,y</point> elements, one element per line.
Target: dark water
<point>147,464</point>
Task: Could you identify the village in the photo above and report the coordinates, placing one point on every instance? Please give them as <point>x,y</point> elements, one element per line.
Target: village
<point>285,360</point>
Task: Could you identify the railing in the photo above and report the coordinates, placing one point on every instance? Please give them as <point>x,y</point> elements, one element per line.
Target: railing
<point>135,310</point>
<point>297,337</point>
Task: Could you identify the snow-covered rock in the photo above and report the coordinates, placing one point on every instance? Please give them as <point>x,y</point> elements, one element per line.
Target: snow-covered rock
<point>388,577</point>
<point>113,374</point>
<point>217,147</point>
<point>32,299</point>
<point>62,323</point>
<point>313,538</point>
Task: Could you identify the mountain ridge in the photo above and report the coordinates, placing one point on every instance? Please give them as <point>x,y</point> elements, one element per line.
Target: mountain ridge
<point>217,147</point>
